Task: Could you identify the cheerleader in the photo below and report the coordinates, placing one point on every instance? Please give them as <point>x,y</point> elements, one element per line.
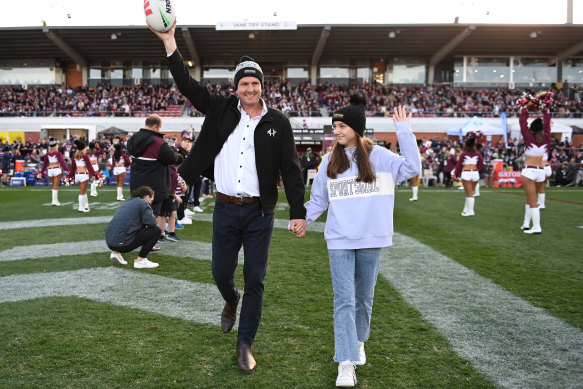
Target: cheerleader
<point>469,165</point>
<point>93,157</point>
<point>119,161</point>
<point>81,170</point>
<point>54,166</point>
<point>537,137</point>
<point>548,173</point>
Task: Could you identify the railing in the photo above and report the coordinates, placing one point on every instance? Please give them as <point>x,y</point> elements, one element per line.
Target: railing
<point>144,113</point>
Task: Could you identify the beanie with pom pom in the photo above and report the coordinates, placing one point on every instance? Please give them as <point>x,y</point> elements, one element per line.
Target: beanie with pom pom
<point>247,67</point>
<point>353,114</point>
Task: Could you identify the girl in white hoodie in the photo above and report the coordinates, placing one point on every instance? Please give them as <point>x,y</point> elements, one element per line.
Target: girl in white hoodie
<point>356,182</point>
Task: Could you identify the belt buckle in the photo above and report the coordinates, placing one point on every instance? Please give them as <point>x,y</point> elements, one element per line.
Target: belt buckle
<point>240,201</point>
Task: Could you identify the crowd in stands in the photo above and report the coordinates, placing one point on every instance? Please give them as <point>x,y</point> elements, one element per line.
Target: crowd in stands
<point>295,99</point>
<point>444,100</point>
<point>291,99</point>
<point>101,100</point>
<point>565,159</point>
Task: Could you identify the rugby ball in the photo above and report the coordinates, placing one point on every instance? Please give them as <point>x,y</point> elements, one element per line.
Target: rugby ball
<point>160,14</point>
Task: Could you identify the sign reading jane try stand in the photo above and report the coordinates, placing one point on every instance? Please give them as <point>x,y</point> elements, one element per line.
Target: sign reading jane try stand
<point>257,25</point>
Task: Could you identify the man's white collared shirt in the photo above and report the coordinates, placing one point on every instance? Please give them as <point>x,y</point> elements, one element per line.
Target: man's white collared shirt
<point>235,168</point>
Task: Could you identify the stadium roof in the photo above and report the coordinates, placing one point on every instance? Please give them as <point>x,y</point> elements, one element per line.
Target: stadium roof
<point>308,45</point>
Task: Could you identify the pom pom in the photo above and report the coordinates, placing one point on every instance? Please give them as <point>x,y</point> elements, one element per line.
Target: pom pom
<point>100,178</point>
<point>357,98</point>
<point>245,58</point>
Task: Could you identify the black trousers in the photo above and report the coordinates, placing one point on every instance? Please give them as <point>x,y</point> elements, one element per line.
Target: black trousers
<point>447,179</point>
<point>147,238</point>
<point>235,225</point>
<point>195,190</point>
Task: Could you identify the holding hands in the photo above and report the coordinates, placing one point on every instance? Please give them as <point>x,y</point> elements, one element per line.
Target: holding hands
<point>298,227</point>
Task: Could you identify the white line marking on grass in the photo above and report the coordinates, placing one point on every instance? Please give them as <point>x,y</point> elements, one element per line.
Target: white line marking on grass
<point>204,217</point>
<point>182,249</point>
<point>277,223</point>
<point>513,343</point>
<point>191,301</point>
<point>54,222</point>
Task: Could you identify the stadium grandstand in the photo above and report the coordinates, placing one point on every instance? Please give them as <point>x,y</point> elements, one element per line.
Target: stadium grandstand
<point>82,80</point>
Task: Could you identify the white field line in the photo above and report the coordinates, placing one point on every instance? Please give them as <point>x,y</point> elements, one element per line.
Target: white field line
<point>191,301</point>
<point>182,249</point>
<point>54,222</point>
<point>205,217</point>
<point>513,343</point>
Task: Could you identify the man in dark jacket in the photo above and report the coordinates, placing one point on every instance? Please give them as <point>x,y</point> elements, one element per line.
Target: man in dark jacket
<point>242,146</point>
<point>151,157</point>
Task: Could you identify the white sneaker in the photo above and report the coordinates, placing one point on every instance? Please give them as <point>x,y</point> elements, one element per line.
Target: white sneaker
<point>467,213</point>
<point>83,209</point>
<point>197,209</point>
<point>413,199</point>
<point>346,374</point>
<point>56,203</point>
<point>185,220</point>
<point>117,256</point>
<point>525,227</point>
<point>361,355</point>
<point>145,264</point>
<point>534,231</point>
<point>188,212</point>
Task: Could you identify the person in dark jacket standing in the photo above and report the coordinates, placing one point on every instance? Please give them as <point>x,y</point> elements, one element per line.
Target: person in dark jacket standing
<point>151,157</point>
<point>133,226</point>
<point>243,145</point>
<point>7,159</point>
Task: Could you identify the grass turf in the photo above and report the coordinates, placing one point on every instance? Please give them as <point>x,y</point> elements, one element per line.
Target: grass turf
<point>72,342</point>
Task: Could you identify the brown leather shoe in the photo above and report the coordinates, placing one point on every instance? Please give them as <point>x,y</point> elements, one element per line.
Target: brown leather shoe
<point>229,315</point>
<point>245,358</point>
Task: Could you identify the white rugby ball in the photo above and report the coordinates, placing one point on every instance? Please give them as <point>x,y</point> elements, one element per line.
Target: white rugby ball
<point>160,14</point>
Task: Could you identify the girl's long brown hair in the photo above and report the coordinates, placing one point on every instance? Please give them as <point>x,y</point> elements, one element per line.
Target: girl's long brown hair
<point>79,155</point>
<point>339,161</point>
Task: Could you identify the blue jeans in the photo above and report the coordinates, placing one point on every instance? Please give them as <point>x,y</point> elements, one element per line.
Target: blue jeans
<point>354,275</point>
<point>233,226</point>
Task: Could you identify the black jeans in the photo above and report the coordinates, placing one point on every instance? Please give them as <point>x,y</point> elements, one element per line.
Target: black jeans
<point>194,189</point>
<point>146,237</point>
<point>233,226</point>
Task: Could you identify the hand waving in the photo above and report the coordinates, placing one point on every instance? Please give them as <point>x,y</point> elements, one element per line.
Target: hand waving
<point>400,114</point>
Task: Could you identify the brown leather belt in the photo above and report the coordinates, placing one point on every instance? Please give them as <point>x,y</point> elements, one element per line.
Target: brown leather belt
<point>238,200</point>
<point>533,167</point>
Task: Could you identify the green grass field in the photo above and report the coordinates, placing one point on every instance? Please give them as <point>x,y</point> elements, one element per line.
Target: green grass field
<point>58,340</point>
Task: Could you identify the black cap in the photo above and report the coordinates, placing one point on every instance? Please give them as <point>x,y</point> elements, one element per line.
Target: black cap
<point>353,114</point>
<point>247,67</point>
<point>80,144</point>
